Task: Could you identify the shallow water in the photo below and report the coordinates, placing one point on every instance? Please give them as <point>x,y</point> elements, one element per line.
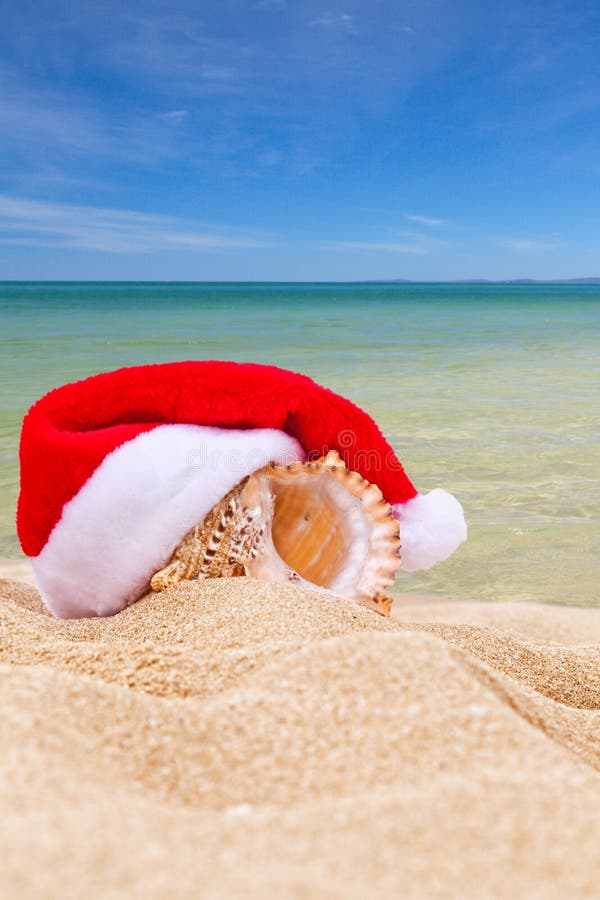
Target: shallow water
<point>489,390</point>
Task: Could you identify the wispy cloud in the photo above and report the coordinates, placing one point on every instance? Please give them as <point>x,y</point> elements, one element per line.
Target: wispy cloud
<point>336,21</point>
<point>175,115</point>
<point>529,245</point>
<point>30,115</point>
<point>112,81</point>
<point>423,220</point>
<point>41,224</point>
<point>173,49</point>
<point>376,247</point>
<point>42,126</point>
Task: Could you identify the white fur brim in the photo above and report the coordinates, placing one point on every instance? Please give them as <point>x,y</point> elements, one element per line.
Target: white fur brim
<point>432,526</point>
<point>126,520</point>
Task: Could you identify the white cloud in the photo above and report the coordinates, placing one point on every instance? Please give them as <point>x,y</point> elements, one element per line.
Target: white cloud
<point>337,22</point>
<point>529,245</point>
<point>35,223</point>
<point>423,220</point>
<point>376,247</point>
<point>175,115</point>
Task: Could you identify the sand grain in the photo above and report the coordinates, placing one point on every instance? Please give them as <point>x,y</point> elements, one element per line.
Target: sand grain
<point>238,739</point>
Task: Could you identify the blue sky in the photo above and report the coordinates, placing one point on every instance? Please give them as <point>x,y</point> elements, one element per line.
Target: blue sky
<point>273,139</point>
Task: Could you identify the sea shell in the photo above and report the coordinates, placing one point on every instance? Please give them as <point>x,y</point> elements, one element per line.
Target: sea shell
<point>313,523</point>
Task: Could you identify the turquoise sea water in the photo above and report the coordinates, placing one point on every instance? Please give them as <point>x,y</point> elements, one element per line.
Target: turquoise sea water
<point>489,390</point>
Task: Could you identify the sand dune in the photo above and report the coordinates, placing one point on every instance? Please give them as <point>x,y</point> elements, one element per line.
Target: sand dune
<point>237,739</point>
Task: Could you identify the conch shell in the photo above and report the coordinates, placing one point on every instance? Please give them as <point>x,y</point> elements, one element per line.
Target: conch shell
<point>313,523</point>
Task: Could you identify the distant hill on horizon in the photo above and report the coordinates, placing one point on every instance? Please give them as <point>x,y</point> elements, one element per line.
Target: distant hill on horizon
<point>499,281</point>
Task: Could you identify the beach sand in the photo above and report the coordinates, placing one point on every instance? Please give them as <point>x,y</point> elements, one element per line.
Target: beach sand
<point>234,738</point>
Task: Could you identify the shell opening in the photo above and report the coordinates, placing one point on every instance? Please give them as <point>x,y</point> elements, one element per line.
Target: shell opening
<point>308,530</point>
<point>327,527</point>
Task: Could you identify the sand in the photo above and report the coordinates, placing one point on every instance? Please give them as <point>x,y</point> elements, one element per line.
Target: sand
<point>239,739</point>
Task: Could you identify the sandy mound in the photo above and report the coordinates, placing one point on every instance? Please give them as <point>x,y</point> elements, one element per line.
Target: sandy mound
<point>236,739</point>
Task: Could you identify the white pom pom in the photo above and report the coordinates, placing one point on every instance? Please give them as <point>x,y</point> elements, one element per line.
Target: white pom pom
<point>431,528</point>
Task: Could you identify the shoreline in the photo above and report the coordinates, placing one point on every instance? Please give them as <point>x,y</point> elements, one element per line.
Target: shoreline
<point>17,569</point>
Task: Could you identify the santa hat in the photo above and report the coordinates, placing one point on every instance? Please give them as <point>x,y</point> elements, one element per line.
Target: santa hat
<point>117,468</point>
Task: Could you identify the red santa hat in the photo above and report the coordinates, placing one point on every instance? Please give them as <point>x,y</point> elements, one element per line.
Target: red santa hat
<point>117,468</point>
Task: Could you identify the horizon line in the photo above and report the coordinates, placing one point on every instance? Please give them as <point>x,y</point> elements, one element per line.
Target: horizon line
<point>578,280</point>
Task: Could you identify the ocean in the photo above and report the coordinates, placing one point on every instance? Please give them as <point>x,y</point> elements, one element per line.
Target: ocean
<point>491,391</point>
